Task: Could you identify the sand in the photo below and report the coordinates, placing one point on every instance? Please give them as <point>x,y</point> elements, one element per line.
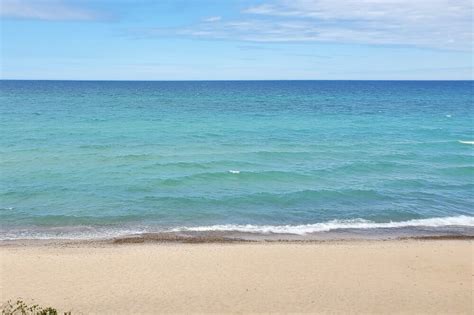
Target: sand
<point>405,276</point>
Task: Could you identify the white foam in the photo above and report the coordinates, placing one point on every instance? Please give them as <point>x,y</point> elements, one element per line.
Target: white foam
<point>466,221</point>
<point>234,172</point>
<point>79,233</point>
<point>83,233</point>
<point>466,142</point>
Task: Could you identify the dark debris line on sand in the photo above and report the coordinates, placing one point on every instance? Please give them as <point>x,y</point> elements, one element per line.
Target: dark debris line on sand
<point>175,238</point>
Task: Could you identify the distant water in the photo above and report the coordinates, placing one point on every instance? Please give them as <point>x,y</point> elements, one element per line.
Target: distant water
<point>95,159</point>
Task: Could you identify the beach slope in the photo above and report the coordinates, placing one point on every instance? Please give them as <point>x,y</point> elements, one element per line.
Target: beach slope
<point>406,276</point>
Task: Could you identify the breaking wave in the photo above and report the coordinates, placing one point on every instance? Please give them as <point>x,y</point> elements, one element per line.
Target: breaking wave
<point>467,221</point>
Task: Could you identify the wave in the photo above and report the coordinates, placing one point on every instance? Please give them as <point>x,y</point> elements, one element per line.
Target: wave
<point>84,232</point>
<point>276,199</point>
<point>249,176</point>
<point>202,165</point>
<point>68,233</point>
<point>466,221</point>
<point>466,142</point>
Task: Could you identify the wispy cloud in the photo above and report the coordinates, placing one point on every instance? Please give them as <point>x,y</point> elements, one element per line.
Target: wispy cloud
<point>51,10</point>
<point>444,24</point>
<point>212,19</point>
<point>368,10</point>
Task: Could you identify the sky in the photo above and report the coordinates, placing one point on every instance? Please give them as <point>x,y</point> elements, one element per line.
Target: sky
<point>236,39</point>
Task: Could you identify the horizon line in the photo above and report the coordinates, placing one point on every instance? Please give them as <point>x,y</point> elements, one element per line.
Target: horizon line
<point>230,80</point>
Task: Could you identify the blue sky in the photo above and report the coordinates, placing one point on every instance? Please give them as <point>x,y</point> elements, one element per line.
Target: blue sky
<point>236,39</point>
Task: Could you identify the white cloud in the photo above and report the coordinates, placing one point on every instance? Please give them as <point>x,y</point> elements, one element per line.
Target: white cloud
<point>212,19</point>
<point>392,11</point>
<point>45,10</point>
<point>445,24</point>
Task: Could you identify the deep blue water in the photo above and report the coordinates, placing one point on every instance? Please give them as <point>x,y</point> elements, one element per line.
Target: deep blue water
<point>91,158</point>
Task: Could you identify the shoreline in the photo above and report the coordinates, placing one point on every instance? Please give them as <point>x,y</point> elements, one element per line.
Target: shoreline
<point>410,276</point>
<point>163,240</point>
<point>227,237</point>
<point>336,229</point>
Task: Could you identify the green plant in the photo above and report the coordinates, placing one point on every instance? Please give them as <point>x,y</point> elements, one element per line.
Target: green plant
<point>21,308</point>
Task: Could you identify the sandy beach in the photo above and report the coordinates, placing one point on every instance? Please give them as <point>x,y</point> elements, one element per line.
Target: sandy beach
<point>406,276</point>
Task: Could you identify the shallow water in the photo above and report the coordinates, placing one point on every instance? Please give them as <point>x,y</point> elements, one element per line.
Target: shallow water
<point>91,159</point>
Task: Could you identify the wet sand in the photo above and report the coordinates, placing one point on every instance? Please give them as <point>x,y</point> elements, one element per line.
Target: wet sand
<point>402,276</point>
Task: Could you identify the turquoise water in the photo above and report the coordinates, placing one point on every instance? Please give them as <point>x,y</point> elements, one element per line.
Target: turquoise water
<point>84,159</point>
